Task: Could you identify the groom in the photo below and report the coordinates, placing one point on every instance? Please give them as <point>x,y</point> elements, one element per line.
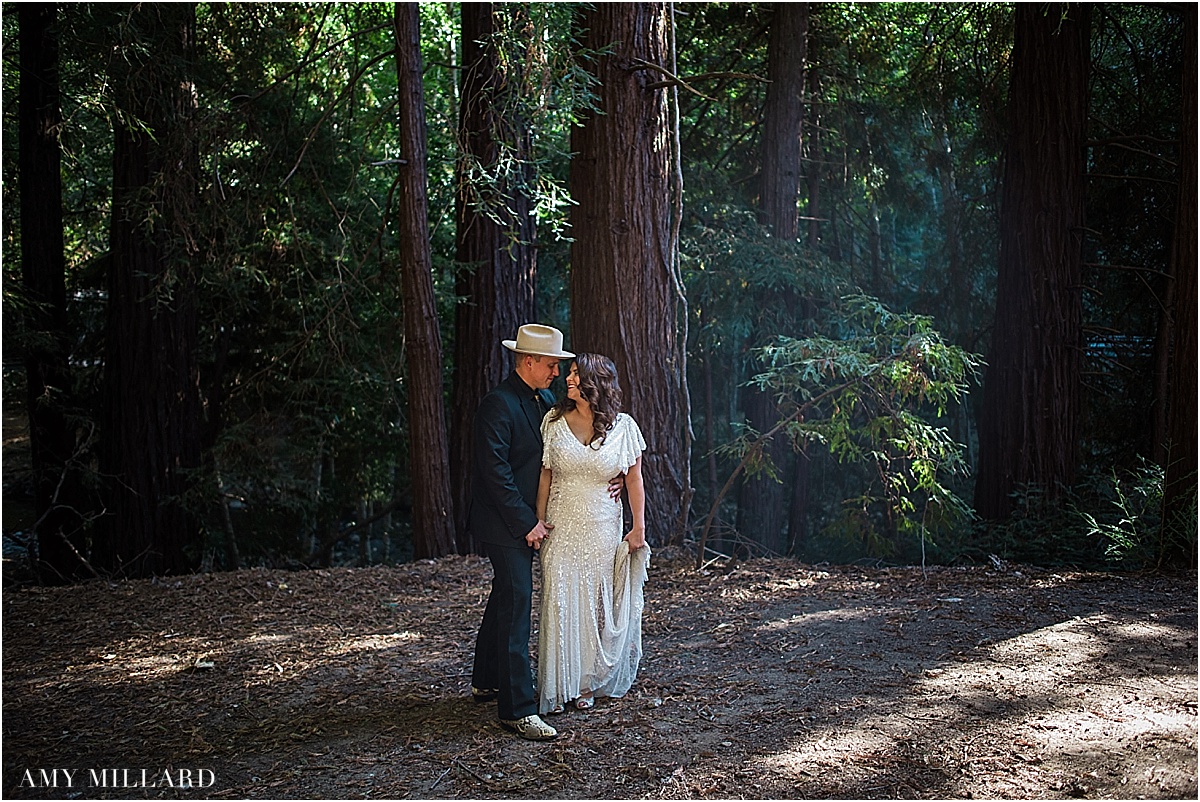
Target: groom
<point>507,464</point>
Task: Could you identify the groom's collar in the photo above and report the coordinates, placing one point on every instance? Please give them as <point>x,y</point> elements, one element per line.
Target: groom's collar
<point>521,386</point>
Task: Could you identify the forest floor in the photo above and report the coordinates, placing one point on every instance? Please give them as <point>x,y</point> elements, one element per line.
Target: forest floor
<point>771,679</point>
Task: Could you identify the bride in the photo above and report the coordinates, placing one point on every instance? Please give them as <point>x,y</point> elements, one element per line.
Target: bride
<point>590,643</point>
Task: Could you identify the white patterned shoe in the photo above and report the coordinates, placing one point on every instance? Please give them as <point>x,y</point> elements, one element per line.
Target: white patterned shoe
<point>531,728</point>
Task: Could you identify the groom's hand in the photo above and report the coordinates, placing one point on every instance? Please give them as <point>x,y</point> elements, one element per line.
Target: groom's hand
<point>538,534</point>
<point>615,486</point>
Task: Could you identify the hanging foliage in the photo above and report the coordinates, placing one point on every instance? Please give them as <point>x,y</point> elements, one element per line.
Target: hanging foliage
<point>872,395</point>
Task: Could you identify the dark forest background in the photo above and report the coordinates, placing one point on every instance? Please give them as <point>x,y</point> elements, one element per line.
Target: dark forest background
<point>885,282</point>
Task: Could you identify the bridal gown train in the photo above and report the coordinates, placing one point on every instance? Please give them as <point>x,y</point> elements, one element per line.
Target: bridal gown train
<point>591,612</point>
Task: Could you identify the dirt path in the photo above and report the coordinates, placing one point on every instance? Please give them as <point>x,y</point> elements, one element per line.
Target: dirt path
<point>773,680</point>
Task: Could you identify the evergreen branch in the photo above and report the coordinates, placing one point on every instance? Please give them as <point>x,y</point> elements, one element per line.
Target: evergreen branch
<point>350,86</point>
<point>341,532</point>
<point>1134,178</point>
<point>1155,156</point>
<point>755,449</point>
<point>1127,267</point>
<point>672,79</point>
<point>307,62</point>
<point>708,76</point>
<point>1116,140</point>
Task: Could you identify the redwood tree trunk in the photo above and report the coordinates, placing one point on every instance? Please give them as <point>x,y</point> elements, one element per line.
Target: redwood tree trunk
<point>1031,389</point>
<point>433,508</point>
<point>59,526</point>
<point>497,258</point>
<point>1179,490</point>
<point>815,155</point>
<point>763,514</point>
<point>623,298</point>
<point>152,414</point>
<point>797,518</point>
<point>783,119</point>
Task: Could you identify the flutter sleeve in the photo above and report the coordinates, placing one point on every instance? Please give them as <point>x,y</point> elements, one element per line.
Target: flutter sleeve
<point>632,443</point>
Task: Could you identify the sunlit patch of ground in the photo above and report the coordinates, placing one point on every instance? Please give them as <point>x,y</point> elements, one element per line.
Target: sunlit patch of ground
<point>1028,711</point>
<point>772,680</point>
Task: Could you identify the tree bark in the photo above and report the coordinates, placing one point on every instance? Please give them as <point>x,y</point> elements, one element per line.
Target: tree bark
<point>957,295</point>
<point>496,252</point>
<point>1028,425</point>
<point>52,437</point>
<point>798,515</point>
<point>795,23</point>
<point>151,410</point>
<point>433,507</point>
<point>783,119</point>
<point>815,157</point>
<point>623,296</point>
<point>1164,341</point>
<point>1179,490</point>
<point>763,514</point>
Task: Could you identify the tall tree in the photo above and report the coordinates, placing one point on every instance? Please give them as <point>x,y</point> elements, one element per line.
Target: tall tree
<point>623,289</point>
<point>433,506</point>
<point>1031,389</point>
<point>812,175</point>
<point>43,264</point>
<point>763,511</point>
<point>495,238</point>
<point>151,420</point>
<point>783,120</point>
<point>1180,487</point>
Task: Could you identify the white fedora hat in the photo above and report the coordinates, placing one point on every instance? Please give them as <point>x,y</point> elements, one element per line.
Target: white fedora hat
<point>538,341</point>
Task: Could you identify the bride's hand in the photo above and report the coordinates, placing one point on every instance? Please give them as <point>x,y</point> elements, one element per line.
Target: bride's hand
<point>636,538</point>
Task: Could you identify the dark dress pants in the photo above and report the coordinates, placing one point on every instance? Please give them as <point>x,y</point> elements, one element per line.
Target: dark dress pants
<point>502,648</point>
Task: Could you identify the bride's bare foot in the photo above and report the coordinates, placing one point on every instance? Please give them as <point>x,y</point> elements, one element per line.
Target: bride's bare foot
<point>585,701</point>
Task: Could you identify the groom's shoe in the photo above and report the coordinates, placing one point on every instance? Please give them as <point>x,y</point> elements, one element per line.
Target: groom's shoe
<point>531,728</point>
<point>482,695</point>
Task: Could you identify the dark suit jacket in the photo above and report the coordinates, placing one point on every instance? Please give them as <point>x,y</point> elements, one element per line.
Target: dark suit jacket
<point>507,462</point>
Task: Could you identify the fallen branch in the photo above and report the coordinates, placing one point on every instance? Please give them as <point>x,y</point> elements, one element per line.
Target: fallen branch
<point>755,449</point>
<point>337,535</point>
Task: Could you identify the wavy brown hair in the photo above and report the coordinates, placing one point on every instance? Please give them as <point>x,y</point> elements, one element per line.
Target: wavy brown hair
<point>600,387</point>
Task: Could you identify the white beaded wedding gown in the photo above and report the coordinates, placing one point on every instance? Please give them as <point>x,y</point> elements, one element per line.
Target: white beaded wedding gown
<point>591,612</point>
